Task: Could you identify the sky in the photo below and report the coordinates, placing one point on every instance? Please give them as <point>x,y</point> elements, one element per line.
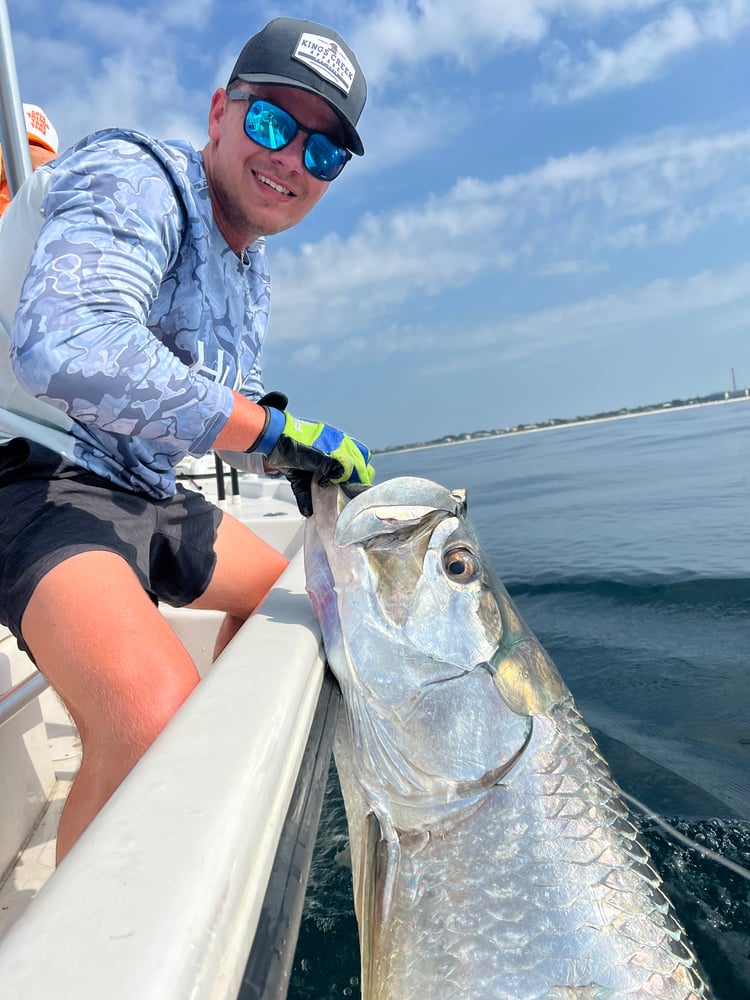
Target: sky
<point>550,220</point>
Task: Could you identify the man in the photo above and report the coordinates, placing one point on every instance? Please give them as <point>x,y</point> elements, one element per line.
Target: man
<point>139,271</point>
<point>42,138</point>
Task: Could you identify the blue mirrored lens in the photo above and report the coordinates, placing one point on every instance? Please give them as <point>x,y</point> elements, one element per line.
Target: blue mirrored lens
<point>270,126</point>
<point>275,128</point>
<point>323,158</point>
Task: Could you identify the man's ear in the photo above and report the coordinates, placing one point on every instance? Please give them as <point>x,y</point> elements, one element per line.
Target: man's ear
<point>216,113</point>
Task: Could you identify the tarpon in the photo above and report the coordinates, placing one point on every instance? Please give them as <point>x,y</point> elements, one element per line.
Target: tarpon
<point>493,857</point>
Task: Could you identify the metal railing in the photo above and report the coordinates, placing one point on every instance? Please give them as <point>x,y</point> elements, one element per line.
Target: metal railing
<point>16,157</point>
<point>17,166</point>
<point>21,695</point>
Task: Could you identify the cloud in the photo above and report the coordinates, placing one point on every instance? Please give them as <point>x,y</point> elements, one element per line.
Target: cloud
<point>449,348</point>
<point>396,36</point>
<point>654,304</point>
<point>396,134</point>
<point>653,191</point>
<point>116,65</point>
<point>152,67</point>
<point>643,55</point>
<point>566,268</point>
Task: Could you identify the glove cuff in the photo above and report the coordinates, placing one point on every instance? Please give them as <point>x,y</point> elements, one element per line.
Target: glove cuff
<point>269,436</point>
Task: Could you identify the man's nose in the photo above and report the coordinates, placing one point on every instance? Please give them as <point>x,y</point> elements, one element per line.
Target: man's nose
<point>292,155</point>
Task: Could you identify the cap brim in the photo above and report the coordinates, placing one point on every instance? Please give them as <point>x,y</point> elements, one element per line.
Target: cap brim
<point>353,141</point>
<point>37,141</point>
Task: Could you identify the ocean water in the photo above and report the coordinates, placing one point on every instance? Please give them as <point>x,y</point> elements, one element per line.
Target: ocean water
<point>626,546</point>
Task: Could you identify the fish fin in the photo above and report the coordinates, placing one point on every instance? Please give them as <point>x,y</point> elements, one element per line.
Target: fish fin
<point>378,880</point>
<point>390,857</point>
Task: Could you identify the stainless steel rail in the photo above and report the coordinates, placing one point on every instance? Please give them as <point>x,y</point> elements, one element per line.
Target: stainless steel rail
<point>17,166</point>
<point>16,158</point>
<point>20,695</point>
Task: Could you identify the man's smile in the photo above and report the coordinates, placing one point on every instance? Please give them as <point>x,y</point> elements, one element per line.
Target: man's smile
<point>273,184</point>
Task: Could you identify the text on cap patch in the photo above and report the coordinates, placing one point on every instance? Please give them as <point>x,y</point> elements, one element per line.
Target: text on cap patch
<point>327,59</point>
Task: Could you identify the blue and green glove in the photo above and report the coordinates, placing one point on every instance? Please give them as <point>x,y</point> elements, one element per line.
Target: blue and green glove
<point>303,448</point>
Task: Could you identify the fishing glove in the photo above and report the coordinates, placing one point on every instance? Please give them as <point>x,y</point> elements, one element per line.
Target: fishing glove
<point>303,448</point>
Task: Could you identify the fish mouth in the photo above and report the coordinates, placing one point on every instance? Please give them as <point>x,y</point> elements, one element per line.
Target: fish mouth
<point>380,509</point>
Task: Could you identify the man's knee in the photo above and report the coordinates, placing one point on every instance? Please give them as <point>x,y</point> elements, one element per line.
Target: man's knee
<point>132,717</point>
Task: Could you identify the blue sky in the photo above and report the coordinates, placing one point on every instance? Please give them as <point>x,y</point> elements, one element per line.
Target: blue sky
<point>551,218</point>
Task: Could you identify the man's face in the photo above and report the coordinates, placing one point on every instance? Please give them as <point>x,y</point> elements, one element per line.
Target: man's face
<point>257,191</point>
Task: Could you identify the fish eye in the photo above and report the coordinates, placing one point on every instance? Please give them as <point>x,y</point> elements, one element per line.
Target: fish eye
<point>461,564</point>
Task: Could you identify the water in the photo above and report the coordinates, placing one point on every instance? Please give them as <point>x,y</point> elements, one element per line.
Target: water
<point>626,546</point>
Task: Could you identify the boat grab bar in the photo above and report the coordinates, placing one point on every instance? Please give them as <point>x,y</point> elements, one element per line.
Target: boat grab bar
<point>21,695</point>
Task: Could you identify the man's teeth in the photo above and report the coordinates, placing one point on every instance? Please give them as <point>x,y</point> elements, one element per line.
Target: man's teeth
<point>273,184</point>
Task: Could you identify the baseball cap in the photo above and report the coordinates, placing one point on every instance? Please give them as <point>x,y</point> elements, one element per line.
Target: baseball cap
<point>39,128</point>
<point>311,57</point>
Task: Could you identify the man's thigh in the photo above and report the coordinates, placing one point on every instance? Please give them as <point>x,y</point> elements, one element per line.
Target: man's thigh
<point>246,569</point>
<point>108,652</point>
<point>51,511</point>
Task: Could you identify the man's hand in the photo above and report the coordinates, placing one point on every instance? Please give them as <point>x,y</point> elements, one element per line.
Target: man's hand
<point>301,448</point>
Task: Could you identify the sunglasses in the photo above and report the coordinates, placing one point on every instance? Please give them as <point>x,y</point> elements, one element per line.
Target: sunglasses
<point>274,128</point>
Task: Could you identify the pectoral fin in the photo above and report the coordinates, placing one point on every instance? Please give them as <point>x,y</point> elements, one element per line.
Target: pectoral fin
<point>377,878</point>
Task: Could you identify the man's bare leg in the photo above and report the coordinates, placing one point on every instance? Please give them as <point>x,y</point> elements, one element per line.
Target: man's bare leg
<point>246,569</point>
<point>117,665</point>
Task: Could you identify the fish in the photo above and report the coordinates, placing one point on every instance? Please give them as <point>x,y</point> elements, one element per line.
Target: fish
<point>493,856</point>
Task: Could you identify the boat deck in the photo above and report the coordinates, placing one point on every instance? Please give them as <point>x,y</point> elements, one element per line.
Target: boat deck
<point>36,860</point>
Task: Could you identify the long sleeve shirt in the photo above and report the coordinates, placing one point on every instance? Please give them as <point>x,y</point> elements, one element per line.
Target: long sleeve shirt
<point>135,318</point>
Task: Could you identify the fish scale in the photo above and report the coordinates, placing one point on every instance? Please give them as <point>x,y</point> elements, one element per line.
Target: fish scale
<point>492,855</point>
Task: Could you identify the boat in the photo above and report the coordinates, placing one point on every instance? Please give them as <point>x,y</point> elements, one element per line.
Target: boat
<point>191,880</point>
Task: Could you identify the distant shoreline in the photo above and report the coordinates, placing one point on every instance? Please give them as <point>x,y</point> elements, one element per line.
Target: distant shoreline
<point>478,436</point>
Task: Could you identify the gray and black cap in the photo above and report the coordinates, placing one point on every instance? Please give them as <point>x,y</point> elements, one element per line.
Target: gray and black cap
<point>310,57</point>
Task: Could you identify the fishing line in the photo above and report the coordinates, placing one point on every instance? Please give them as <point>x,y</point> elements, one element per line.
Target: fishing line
<point>706,852</point>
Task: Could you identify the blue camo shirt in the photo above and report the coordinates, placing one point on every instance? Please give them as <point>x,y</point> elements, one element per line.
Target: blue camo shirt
<point>136,319</point>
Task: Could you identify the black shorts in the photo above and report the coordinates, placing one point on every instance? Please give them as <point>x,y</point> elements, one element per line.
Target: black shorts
<point>51,509</point>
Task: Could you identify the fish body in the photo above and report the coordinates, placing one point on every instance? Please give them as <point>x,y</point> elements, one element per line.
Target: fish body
<point>493,857</point>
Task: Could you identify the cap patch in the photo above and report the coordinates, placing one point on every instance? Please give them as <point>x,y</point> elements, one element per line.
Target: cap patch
<point>326,58</point>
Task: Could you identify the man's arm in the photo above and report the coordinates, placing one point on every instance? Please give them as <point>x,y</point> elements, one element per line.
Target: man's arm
<point>244,426</point>
<point>80,342</point>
